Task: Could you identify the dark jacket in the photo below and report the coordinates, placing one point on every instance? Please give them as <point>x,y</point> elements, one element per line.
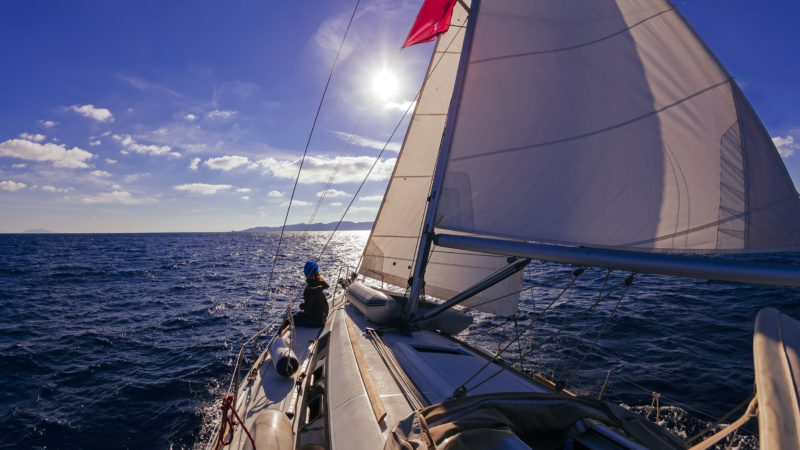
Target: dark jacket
<point>315,305</point>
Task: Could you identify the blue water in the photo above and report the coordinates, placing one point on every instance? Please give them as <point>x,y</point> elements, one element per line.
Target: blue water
<point>128,340</point>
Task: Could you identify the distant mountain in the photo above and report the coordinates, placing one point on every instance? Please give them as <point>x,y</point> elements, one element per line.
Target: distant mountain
<point>37,231</point>
<point>345,226</point>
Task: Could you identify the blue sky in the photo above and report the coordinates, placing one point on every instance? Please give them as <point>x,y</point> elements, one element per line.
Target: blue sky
<point>123,116</point>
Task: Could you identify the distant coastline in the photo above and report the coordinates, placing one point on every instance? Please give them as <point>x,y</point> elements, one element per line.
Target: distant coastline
<point>344,226</point>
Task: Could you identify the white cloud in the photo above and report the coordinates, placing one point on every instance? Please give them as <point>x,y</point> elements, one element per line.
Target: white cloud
<point>203,188</point>
<point>220,114</point>
<point>12,186</point>
<point>48,123</point>
<point>786,145</point>
<point>55,153</point>
<point>296,203</point>
<point>190,117</point>
<point>367,142</point>
<point>55,189</point>
<point>95,143</point>
<point>19,165</point>
<point>402,106</point>
<point>275,194</point>
<point>111,161</point>
<point>33,137</point>
<point>332,193</point>
<point>194,163</point>
<point>245,197</point>
<point>136,176</point>
<point>118,197</point>
<point>130,144</point>
<point>244,190</point>
<point>90,111</point>
<point>318,169</point>
<point>100,173</point>
<point>336,204</point>
<point>229,162</point>
<point>371,198</point>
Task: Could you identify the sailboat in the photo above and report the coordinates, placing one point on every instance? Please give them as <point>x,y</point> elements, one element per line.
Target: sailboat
<point>602,134</point>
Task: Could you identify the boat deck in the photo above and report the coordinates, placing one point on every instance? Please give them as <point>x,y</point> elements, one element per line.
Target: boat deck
<point>403,373</point>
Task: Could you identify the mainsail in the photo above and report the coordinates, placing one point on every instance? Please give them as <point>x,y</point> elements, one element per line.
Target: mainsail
<point>392,245</point>
<point>609,124</point>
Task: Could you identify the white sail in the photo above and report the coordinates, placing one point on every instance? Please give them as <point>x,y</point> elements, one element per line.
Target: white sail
<point>609,124</point>
<point>392,245</point>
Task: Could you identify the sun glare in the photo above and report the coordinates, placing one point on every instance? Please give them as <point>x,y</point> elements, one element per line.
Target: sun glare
<point>384,85</point>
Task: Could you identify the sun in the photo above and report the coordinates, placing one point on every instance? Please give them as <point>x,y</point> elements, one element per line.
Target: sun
<point>384,84</point>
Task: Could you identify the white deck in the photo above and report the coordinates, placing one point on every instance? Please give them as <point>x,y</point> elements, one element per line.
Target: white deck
<point>435,364</point>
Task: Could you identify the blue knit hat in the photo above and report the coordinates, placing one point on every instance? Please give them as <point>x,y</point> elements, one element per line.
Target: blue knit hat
<point>310,268</point>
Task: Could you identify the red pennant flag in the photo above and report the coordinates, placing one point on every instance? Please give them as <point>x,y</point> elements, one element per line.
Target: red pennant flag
<point>433,19</point>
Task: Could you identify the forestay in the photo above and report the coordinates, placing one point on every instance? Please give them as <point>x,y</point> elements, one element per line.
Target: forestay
<point>609,124</point>
<point>392,245</point>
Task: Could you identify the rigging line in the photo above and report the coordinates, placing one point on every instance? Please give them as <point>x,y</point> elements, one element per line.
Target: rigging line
<point>628,282</point>
<point>338,164</point>
<point>586,325</point>
<point>399,122</point>
<point>300,169</point>
<point>538,345</point>
<point>364,181</point>
<point>575,275</point>
<point>416,97</point>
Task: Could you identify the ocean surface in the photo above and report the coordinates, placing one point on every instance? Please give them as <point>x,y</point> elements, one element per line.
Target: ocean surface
<point>129,340</point>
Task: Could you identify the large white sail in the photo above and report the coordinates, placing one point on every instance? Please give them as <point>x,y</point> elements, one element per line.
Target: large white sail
<point>609,124</point>
<point>392,245</point>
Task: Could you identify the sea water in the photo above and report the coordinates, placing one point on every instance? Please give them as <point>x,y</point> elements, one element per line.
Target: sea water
<point>129,340</point>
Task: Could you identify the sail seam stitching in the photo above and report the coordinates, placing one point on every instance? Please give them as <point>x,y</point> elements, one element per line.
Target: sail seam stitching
<point>573,47</point>
<point>596,132</point>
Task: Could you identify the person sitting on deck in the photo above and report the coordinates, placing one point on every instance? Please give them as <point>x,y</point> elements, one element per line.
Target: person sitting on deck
<point>314,309</point>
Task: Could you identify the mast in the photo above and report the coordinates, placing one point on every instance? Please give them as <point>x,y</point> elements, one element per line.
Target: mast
<point>426,238</point>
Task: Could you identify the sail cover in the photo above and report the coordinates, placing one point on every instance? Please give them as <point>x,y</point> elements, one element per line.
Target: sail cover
<point>609,124</point>
<point>392,245</point>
